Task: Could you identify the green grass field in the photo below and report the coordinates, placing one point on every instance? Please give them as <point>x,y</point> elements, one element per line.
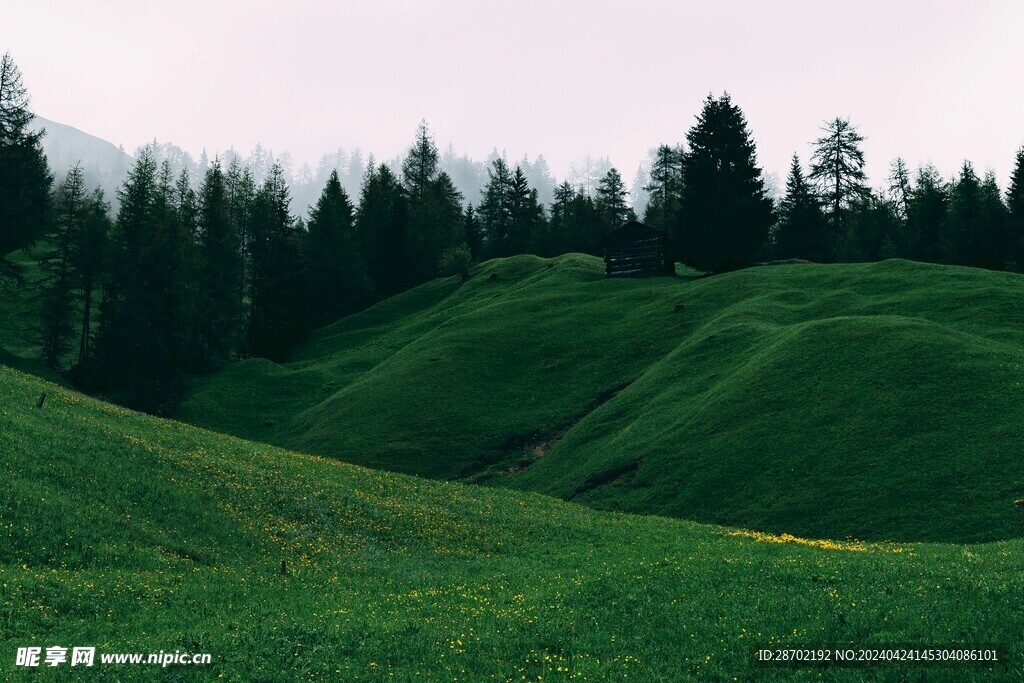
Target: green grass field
<point>135,534</point>
<point>878,401</point>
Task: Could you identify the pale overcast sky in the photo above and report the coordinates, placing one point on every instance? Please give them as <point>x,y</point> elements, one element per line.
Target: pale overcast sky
<point>931,81</point>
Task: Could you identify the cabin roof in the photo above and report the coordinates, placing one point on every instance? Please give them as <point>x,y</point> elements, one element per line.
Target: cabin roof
<point>630,231</point>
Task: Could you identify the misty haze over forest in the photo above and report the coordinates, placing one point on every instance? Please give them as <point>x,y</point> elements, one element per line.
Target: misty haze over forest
<point>105,165</point>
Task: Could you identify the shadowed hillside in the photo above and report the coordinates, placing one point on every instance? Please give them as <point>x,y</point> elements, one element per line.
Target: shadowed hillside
<point>879,401</point>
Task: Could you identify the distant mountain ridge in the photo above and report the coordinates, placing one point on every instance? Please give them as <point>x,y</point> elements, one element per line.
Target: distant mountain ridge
<point>104,163</point>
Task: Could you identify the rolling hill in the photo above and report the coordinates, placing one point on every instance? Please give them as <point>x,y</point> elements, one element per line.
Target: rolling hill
<point>136,534</point>
<point>878,401</point>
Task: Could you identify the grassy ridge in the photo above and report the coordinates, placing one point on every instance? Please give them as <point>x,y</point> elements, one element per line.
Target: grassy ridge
<point>880,401</point>
<point>132,533</point>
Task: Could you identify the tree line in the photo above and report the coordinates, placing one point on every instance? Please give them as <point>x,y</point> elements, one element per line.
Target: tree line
<point>710,196</point>
<point>191,273</point>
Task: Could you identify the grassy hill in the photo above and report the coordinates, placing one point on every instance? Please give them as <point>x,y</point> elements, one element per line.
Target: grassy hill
<point>135,534</point>
<point>878,401</point>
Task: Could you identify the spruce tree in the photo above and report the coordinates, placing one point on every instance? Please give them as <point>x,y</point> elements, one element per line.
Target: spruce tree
<point>275,318</point>
<point>994,247</point>
<point>89,259</point>
<point>724,214</point>
<point>525,213</point>
<point>336,260</point>
<point>838,169</point>
<point>495,209</point>
<point>964,226</point>
<point>876,230</point>
<point>611,201</point>
<point>146,326</point>
<point>241,195</point>
<point>420,165</point>
<point>56,327</point>
<point>926,215</point>
<point>474,237</point>
<point>1015,212</point>
<point>802,231</point>
<point>25,178</point>
<point>219,270</point>
<point>665,188</point>
<point>382,221</point>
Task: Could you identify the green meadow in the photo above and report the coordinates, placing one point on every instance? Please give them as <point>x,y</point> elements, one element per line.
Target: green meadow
<point>880,401</point>
<point>573,478</point>
<point>135,534</point>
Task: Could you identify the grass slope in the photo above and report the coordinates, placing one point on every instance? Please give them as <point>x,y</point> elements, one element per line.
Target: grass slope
<point>879,401</point>
<point>135,534</point>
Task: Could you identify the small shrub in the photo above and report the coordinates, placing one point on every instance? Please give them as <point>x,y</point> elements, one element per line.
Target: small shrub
<point>456,261</point>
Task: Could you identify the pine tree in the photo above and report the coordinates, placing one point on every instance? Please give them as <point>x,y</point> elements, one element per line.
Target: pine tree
<point>1015,212</point>
<point>474,237</point>
<point>241,196</point>
<point>382,220</point>
<point>525,213</point>
<point>724,214</point>
<point>899,186</point>
<point>611,201</point>
<point>55,314</point>
<point>277,282</point>
<point>574,224</point>
<point>665,188</point>
<point>495,209</point>
<point>25,178</point>
<point>219,270</point>
<point>435,223</point>
<point>337,261</point>
<point>876,230</point>
<point>994,247</point>
<point>926,215</point>
<point>420,165</point>
<point>145,325</point>
<point>838,169</point>
<point>89,259</point>
<point>802,231</point>
<point>963,229</point>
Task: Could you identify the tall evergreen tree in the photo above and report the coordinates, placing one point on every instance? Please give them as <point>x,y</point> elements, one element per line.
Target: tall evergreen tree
<point>56,327</point>
<point>495,209</point>
<point>145,326</point>
<point>574,224</point>
<point>995,241</point>
<point>724,214</point>
<point>25,178</point>
<point>802,231</point>
<point>899,186</point>
<point>926,215</point>
<point>474,236</point>
<point>1015,212</point>
<point>219,270</point>
<point>420,165</point>
<point>611,201</point>
<point>275,323</point>
<point>526,215</point>
<point>337,261</point>
<point>382,220</point>
<point>876,230</point>
<point>241,196</point>
<point>89,258</point>
<point>838,169</point>
<point>665,187</point>
<point>964,225</point>
<point>435,223</point>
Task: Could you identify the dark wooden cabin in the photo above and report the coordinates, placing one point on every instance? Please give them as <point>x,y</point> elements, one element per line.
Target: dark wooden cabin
<point>636,249</point>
